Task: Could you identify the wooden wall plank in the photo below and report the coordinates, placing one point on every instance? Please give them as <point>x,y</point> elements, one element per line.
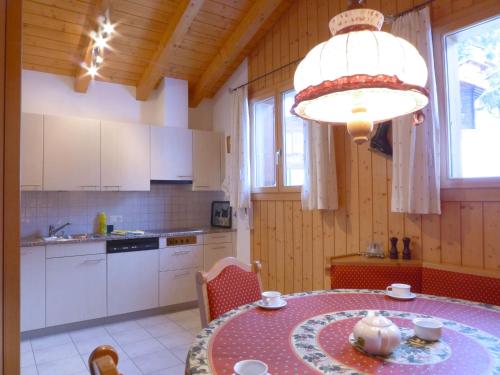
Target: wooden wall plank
<point>280,247</point>
<point>352,195</point>
<point>413,230</point>
<point>492,235</point>
<point>328,242</point>
<point>431,238</point>
<point>264,251</point>
<point>471,229</point>
<point>256,240</point>
<point>289,247</point>
<point>450,233</point>
<point>365,197</point>
<point>297,247</point>
<point>307,250</point>
<point>341,212</point>
<point>271,245</point>
<point>318,259</point>
<point>380,215</point>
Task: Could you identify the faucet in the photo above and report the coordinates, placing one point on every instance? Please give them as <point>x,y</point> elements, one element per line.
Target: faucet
<point>53,230</point>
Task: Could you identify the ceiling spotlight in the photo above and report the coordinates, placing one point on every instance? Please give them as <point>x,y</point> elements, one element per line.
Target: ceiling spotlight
<point>98,60</point>
<point>92,70</point>
<point>100,41</point>
<point>108,28</point>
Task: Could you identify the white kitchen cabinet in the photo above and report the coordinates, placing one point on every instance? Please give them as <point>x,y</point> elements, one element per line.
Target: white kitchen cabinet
<point>32,288</point>
<point>171,154</point>
<point>206,160</point>
<point>124,157</point>
<point>76,289</point>
<point>177,286</point>
<point>215,252</point>
<point>132,281</point>
<point>71,154</point>
<point>181,257</point>
<point>31,151</point>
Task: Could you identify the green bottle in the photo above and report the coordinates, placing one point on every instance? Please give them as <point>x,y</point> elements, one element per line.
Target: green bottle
<point>102,223</point>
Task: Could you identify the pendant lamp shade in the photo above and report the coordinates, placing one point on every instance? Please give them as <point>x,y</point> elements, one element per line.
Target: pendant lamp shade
<point>360,76</point>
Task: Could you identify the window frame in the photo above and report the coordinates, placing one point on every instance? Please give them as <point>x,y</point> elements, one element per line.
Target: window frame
<point>447,26</point>
<point>276,92</point>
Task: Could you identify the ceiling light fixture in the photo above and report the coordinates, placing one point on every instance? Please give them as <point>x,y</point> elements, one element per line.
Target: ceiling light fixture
<point>360,76</point>
<point>100,38</point>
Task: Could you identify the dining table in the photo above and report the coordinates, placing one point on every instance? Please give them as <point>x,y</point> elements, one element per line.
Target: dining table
<point>310,335</point>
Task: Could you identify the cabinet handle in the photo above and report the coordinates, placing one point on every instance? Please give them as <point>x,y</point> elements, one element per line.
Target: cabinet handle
<point>184,176</point>
<point>26,253</point>
<point>218,248</point>
<point>179,275</point>
<point>181,252</point>
<point>92,261</point>
<point>89,187</point>
<point>202,186</point>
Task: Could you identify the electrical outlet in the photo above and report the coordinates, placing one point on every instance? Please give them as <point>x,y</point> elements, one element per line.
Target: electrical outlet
<point>115,219</point>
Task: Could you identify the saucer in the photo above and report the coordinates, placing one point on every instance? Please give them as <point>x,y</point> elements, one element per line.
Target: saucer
<point>276,306</point>
<point>402,298</point>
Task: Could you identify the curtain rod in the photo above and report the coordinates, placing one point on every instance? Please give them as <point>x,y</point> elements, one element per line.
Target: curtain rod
<point>387,19</point>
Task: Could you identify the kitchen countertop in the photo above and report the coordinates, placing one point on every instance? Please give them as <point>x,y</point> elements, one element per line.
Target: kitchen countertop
<point>37,241</point>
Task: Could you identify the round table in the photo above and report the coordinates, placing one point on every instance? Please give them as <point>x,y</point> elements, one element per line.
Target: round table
<point>310,336</point>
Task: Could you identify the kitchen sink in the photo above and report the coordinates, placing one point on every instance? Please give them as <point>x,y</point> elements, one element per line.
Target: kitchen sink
<point>82,236</point>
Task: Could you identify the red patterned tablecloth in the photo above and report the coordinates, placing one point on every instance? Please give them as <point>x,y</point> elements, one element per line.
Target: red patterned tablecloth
<point>310,336</point>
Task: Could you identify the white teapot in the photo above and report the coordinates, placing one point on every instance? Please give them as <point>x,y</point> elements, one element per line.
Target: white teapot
<point>376,334</point>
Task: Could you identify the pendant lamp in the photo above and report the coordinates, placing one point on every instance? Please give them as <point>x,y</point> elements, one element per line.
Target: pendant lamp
<point>360,76</point>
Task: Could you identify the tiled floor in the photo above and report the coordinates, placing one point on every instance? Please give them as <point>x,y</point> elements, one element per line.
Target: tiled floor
<point>155,345</point>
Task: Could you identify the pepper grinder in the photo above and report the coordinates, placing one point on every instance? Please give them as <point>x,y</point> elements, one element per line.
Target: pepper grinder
<point>406,248</point>
<point>393,254</point>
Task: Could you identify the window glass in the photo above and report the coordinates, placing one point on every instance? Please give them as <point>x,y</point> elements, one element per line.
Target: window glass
<point>293,143</point>
<point>264,144</point>
<point>473,88</point>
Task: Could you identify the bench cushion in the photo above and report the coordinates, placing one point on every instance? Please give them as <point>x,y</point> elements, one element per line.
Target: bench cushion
<point>374,277</point>
<point>460,285</point>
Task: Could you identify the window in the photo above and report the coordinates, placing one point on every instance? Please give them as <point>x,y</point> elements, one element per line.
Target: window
<point>472,74</point>
<point>277,144</point>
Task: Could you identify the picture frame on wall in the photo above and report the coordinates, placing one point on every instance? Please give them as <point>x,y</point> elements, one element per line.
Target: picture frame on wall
<point>221,214</point>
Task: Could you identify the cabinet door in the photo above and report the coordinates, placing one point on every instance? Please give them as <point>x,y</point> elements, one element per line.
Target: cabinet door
<point>171,154</point>
<point>124,157</point>
<point>71,154</point>
<point>214,252</point>
<point>76,289</point>
<point>181,257</point>
<point>31,151</point>
<point>132,281</point>
<point>206,160</point>
<point>177,286</point>
<point>32,288</point>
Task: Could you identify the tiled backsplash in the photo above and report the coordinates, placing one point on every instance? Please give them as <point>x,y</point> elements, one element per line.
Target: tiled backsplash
<point>165,206</point>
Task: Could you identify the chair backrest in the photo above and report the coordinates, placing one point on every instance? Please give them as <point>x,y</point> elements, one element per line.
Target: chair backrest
<point>227,285</point>
<point>103,361</point>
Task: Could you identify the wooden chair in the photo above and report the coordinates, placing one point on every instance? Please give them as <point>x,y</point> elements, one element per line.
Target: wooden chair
<point>103,361</point>
<point>227,285</point>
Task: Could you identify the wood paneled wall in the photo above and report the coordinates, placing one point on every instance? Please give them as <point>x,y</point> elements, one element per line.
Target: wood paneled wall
<point>294,245</point>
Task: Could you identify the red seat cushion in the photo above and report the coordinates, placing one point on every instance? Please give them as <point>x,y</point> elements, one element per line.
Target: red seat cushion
<point>374,277</point>
<point>460,285</point>
<point>233,287</point>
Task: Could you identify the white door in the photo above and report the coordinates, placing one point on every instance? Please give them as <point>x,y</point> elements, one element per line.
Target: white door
<point>76,289</point>
<point>132,281</point>
<point>71,154</point>
<point>206,160</point>
<point>171,154</point>
<point>31,151</point>
<point>125,153</point>
<point>32,288</point>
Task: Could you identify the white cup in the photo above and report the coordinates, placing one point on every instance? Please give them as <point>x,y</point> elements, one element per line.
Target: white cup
<point>399,290</point>
<point>427,328</point>
<point>271,297</point>
<point>250,367</point>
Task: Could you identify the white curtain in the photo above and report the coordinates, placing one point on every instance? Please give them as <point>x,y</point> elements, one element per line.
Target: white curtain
<point>237,182</point>
<point>319,191</point>
<point>415,168</point>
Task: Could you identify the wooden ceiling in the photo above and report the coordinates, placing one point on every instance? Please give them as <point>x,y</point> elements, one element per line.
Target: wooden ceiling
<point>201,41</point>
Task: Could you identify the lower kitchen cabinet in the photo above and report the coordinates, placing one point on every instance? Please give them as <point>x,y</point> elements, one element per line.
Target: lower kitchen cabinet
<point>75,288</point>
<point>216,251</point>
<point>132,281</point>
<point>177,286</point>
<point>32,288</point>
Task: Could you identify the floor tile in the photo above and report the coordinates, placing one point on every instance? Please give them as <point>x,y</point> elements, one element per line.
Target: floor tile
<point>131,336</point>
<point>156,361</point>
<point>128,367</point>
<point>163,329</point>
<point>88,333</point>
<point>88,346</point>
<point>68,366</point>
<point>55,353</point>
<point>30,370</point>
<point>180,315</point>
<point>181,338</point>
<point>122,326</point>
<point>26,346</point>
<point>52,340</point>
<point>137,348</point>
<point>152,320</point>
<point>27,359</point>
<point>176,370</point>
<point>180,351</point>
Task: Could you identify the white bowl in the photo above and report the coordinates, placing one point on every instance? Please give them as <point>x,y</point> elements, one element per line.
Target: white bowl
<point>250,367</point>
<point>427,328</point>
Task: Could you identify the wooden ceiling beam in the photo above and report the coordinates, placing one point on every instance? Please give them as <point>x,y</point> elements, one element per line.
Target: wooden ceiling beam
<point>259,18</point>
<point>178,26</point>
<point>82,78</point>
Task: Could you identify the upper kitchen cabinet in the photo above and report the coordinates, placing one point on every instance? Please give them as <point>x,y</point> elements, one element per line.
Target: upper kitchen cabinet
<point>206,160</point>
<point>31,151</point>
<point>171,154</point>
<point>124,157</point>
<point>71,154</point>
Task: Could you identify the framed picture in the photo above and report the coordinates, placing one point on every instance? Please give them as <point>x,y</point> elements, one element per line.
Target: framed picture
<point>221,214</point>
